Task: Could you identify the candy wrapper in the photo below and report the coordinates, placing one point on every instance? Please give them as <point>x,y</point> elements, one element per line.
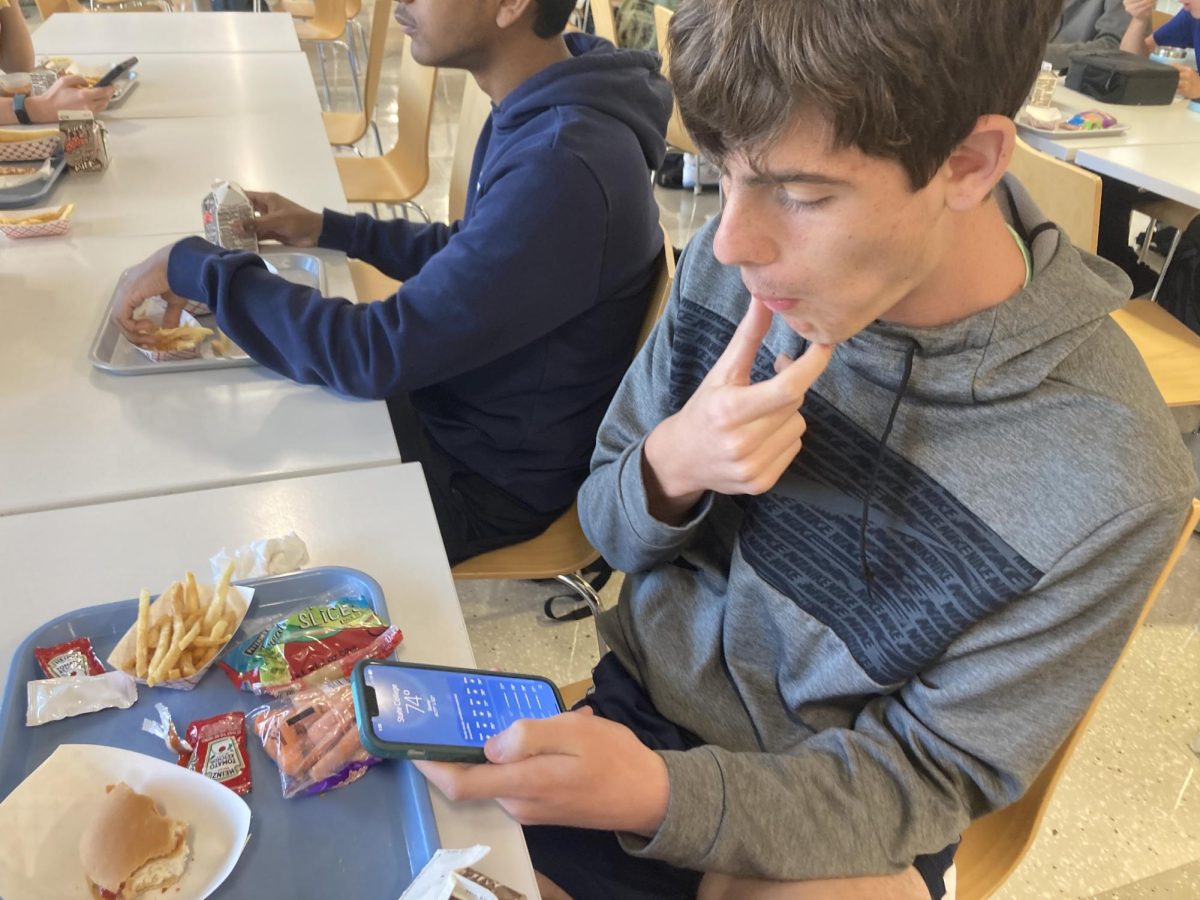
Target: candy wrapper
<point>217,610</point>
<point>316,644</point>
<point>449,876</point>
<point>60,698</point>
<point>312,738</point>
<point>70,658</point>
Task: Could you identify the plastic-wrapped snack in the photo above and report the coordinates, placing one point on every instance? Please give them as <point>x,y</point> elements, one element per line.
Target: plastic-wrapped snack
<point>59,698</point>
<point>312,738</point>
<point>316,644</point>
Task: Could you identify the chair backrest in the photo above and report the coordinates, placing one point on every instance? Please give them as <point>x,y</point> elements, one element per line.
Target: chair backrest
<point>661,292</point>
<point>604,22</point>
<point>677,135</point>
<point>1067,194</point>
<point>381,20</point>
<point>414,115</point>
<point>476,107</point>
<point>354,7</point>
<point>1169,348</point>
<point>1158,18</point>
<point>47,8</point>
<point>992,846</point>
<point>329,17</point>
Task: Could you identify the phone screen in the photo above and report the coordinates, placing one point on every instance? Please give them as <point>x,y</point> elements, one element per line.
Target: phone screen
<point>457,709</point>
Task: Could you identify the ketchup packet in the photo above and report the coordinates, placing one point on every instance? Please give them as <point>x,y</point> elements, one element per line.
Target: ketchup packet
<point>219,750</point>
<point>69,658</point>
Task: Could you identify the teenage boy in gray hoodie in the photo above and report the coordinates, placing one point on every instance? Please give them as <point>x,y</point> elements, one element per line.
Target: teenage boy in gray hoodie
<point>889,484</point>
<point>1085,26</point>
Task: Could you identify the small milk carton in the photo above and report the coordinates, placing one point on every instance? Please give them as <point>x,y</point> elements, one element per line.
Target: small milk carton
<point>229,217</point>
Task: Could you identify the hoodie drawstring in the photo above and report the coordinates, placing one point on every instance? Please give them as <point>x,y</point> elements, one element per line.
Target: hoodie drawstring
<point>867,575</point>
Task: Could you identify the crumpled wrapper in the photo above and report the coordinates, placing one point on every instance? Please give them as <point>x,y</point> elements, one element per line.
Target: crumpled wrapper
<point>237,601</point>
<point>153,309</point>
<point>449,876</point>
<point>270,556</point>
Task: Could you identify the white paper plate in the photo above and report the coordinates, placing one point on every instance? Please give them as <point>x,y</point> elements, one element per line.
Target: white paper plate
<point>42,820</point>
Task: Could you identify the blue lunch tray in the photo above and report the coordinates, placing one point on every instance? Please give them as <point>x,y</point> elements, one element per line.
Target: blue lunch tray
<point>36,191</point>
<point>366,841</point>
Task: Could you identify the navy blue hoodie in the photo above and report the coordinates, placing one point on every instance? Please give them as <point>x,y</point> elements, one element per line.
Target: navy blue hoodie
<point>515,324</point>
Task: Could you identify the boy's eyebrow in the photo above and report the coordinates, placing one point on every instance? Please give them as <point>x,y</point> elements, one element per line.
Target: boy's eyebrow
<point>794,176</point>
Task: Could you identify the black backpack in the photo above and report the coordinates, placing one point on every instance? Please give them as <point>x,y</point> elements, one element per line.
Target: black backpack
<point>1180,291</point>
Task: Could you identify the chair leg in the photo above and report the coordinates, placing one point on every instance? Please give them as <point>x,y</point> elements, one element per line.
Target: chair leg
<point>378,139</point>
<point>1166,263</point>
<point>324,74</point>
<point>353,60</point>
<point>579,584</point>
<point>358,26</point>
<point>413,204</point>
<point>1145,248</point>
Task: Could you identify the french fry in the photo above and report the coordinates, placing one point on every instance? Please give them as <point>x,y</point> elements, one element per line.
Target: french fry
<point>143,621</point>
<point>189,636</point>
<point>176,598</point>
<point>216,608</point>
<point>191,595</point>
<point>216,638</point>
<point>185,662</point>
<point>160,652</point>
<point>174,675</point>
<point>230,619</point>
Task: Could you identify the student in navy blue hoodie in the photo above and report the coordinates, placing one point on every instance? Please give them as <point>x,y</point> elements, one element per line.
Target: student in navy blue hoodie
<point>501,351</point>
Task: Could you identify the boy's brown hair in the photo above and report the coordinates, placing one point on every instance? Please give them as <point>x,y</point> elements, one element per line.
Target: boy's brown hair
<point>899,79</point>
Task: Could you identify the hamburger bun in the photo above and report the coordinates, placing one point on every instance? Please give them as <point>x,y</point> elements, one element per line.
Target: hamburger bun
<point>129,847</point>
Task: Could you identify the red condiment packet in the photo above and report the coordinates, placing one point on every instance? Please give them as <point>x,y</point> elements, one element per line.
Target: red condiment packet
<point>220,750</point>
<point>69,658</point>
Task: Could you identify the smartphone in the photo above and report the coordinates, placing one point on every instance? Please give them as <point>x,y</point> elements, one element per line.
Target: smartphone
<point>116,72</point>
<point>411,711</point>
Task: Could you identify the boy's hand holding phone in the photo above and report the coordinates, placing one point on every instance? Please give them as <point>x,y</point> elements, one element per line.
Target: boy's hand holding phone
<point>573,769</point>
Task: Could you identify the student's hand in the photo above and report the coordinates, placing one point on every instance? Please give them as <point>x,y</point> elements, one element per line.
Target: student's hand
<point>1189,82</point>
<point>732,437</point>
<point>573,769</point>
<point>146,279</point>
<point>279,219</point>
<point>1140,9</point>
<point>68,92</point>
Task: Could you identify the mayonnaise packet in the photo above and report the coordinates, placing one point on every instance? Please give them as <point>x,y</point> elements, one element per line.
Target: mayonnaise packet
<point>51,699</point>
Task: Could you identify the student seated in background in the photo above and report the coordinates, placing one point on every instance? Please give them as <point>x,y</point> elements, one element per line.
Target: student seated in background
<point>514,325</point>
<point>16,55</point>
<point>889,485</point>
<point>1086,25</point>
<point>1182,31</point>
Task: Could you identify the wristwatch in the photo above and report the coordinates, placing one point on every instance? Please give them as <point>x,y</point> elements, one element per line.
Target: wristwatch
<point>19,109</point>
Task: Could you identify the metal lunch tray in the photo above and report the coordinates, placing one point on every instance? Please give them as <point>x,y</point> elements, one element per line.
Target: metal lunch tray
<point>112,353</point>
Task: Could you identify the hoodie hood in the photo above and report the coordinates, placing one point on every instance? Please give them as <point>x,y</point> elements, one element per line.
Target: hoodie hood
<point>623,84</point>
<point>1008,349</point>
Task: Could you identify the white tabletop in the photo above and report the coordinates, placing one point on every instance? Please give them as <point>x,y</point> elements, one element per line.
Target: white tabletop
<point>376,520</point>
<point>161,170</point>
<point>146,32</point>
<point>1148,126</point>
<point>185,85</point>
<point>76,435</point>
<point>1170,170</point>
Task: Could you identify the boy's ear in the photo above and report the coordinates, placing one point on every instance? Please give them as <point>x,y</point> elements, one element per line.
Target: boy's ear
<point>510,12</point>
<point>978,162</point>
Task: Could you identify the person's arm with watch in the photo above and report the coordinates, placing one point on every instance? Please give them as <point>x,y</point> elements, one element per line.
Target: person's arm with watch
<point>69,92</point>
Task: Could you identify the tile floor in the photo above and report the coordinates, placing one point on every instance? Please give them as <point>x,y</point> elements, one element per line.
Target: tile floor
<point>1124,823</point>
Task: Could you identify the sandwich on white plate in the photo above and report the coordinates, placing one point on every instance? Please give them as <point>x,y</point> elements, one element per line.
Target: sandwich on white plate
<point>129,848</point>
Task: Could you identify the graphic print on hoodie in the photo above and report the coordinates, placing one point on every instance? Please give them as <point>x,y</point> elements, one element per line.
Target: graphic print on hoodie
<point>513,325</point>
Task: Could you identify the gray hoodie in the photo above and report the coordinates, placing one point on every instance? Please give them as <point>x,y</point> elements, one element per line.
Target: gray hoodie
<point>1028,495</point>
<point>1087,25</point>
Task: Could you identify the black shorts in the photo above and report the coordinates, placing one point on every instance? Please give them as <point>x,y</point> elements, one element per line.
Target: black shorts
<point>590,865</point>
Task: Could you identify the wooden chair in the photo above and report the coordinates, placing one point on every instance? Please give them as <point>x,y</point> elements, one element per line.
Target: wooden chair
<point>327,27</point>
<point>306,9</point>
<point>1169,348</point>
<point>397,176</point>
<point>1067,194</point>
<point>47,8</point>
<point>476,107</point>
<point>1159,18</point>
<point>1167,212</point>
<point>562,551</point>
<point>345,129</point>
<point>604,20</point>
<point>993,846</point>
<point>677,134</point>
